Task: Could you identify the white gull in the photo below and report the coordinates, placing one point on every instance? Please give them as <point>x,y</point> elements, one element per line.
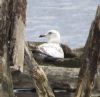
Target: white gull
<point>52,47</point>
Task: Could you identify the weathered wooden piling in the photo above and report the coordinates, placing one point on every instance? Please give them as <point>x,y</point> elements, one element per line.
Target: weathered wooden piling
<point>6,89</point>
<point>17,13</point>
<point>12,23</point>
<point>37,74</point>
<point>90,61</point>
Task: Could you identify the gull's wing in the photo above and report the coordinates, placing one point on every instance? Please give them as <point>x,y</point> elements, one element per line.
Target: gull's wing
<point>52,49</point>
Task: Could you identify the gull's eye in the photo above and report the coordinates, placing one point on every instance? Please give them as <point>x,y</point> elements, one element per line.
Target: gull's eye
<point>50,33</point>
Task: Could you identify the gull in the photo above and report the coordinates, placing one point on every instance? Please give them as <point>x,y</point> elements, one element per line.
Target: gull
<point>52,47</point>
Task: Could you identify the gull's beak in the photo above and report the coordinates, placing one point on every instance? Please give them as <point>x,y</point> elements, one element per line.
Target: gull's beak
<point>42,36</point>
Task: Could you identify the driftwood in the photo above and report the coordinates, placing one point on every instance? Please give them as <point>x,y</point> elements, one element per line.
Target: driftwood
<point>66,78</point>
<point>67,62</point>
<point>38,76</point>
<point>59,78</point>
<point>91,55</point>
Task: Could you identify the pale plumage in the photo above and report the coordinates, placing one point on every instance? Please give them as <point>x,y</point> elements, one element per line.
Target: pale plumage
<point>52,47</point>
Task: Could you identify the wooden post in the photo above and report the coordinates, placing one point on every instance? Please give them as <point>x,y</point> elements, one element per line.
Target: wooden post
<point>17,12</point>
<point>39,78</point>
<point>6,89</point>
<point>89,66</point>
<point>12,23</point>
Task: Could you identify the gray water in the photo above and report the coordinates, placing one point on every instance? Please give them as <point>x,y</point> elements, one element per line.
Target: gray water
<point>72,18</point>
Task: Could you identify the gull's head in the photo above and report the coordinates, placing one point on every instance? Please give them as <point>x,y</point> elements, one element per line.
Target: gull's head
<point>53,36</point>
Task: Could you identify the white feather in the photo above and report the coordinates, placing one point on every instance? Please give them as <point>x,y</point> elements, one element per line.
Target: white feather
<point>52,47</point>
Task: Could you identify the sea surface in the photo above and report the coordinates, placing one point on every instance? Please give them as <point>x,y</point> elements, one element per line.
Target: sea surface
<point>72,18</point>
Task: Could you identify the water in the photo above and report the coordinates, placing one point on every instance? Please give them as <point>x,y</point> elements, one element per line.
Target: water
<point>72,18</point>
